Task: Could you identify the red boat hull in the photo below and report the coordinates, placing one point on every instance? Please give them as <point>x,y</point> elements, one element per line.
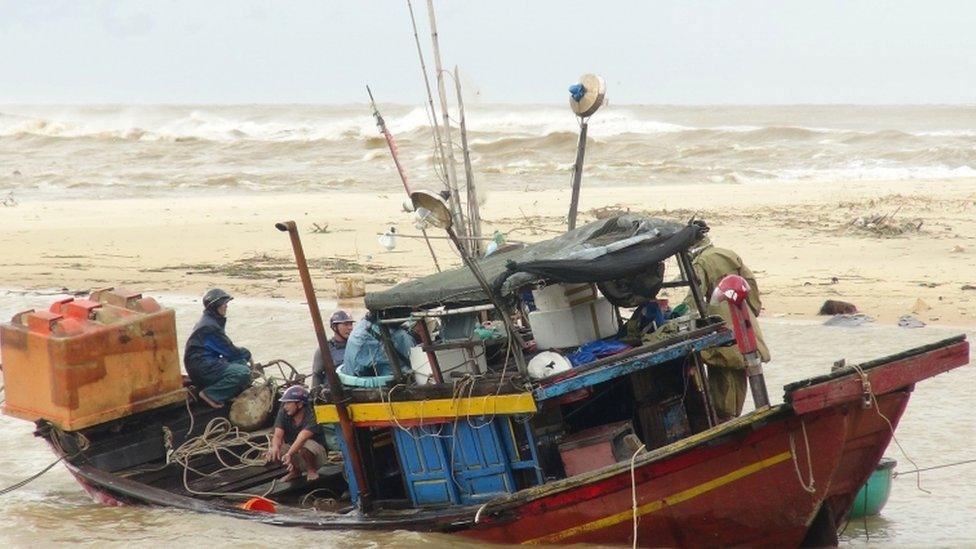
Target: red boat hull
<point>749,482</point>
<point>781,476</point>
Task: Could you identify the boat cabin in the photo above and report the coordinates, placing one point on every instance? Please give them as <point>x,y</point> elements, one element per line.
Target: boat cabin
<point>588,368</point>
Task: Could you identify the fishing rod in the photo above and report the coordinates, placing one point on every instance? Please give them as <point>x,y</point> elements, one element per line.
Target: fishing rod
<point>455,197</point>
<point>438,142</point>
<point>391,143</point>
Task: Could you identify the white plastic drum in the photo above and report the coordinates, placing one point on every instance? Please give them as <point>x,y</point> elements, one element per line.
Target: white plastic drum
<point>548,363</point>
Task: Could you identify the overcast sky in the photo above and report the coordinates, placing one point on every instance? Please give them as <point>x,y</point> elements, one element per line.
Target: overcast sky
<point>307,51</point>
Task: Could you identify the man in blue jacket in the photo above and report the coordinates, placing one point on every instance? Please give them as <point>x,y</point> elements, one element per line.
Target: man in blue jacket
<point>215,365</point>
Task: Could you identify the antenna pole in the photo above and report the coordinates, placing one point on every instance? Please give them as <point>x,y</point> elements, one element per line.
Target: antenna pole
<point>577,174</point>
<point>438,142</point>
<point>455,198</point>
<point>474,214</point>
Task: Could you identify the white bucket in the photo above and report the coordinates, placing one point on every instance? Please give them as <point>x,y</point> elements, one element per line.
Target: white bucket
<point>469,361</point>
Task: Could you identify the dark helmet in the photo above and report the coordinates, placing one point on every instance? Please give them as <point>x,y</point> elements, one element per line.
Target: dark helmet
<point>215,298</point>
<point>295,393</point>
<point>340,317</point>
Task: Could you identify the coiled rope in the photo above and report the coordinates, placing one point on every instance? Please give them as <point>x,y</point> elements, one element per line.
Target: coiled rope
<point>220,438</point>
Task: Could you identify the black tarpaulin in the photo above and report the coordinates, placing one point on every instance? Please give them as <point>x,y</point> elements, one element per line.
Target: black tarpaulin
<point>606,249</point>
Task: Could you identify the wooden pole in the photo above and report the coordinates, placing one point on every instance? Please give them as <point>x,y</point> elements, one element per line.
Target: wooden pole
<point>474,213</point>
<point>427,341</point>
<point>438,142</point>
<point>455,198</point>
<point>335,385</point>
<point>577,175</point>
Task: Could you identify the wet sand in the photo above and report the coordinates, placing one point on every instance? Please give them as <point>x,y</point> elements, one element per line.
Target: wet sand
<point>801,239</point>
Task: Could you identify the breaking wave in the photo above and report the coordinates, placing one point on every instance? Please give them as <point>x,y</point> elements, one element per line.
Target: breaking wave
<point>138,150</point>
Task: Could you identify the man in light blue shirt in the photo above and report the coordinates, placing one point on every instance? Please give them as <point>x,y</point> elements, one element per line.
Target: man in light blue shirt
<point>365,355</point>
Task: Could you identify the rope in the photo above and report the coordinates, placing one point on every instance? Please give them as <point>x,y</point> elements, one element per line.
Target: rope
<point>943,466</point>
<point>874,402</point>
<point>219,436</point>
<point>633,491</point>
<point>30,479</point>
<point>306,497</point>
<point>809,487</point>
<point>83,444</point>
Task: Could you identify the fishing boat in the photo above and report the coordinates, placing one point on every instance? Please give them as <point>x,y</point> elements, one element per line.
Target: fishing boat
<point>537,431</point>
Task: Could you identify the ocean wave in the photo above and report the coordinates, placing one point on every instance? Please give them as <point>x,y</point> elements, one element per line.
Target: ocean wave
<point>491,126</point>
<point>115,151</point>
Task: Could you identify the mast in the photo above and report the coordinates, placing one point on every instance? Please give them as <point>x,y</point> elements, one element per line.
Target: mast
<point>474,214</point>
<point>438,143</point>
<point>577,173</point>
<point>585,98</point>
<point>455,197</point>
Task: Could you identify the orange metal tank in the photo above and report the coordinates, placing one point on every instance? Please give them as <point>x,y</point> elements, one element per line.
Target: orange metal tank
<point>88,361</point>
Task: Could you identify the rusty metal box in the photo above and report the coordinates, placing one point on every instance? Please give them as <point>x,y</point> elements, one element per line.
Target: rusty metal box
<point>87,361</point>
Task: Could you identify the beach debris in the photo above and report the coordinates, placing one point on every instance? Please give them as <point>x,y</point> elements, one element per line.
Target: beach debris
<point>910,321</point>
<point>606,212</point>
<point>849,320</point>
<point>837,307</point>
<point>320,229</point>
<point>884,225</point>
<point>350,286</point>
<point>839,365</point>
<point>920,306</point>
<point>388,239</point>
<point>968,287</point>
<point>9,201</point>
<point>957,249</point>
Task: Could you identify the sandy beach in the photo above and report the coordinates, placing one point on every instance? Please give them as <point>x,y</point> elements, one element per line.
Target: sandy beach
<point>800,238</point>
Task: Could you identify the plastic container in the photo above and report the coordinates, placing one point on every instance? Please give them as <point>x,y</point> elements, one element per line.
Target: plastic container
<point>573,326</point>
<point>87,361</point>
<point>468,361</point>
<point>593,448</point>
<point>556,297</point>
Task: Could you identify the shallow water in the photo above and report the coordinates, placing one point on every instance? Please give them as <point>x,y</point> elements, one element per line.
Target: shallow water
<point>936,429</point>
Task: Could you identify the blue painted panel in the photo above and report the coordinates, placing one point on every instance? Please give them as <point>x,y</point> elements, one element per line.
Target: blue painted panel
<point>473,467</point>
<point>630,365</point>
<point>481,465</point>
<point>350,475</point>
<point>431,492</point>
<point>423,463</point>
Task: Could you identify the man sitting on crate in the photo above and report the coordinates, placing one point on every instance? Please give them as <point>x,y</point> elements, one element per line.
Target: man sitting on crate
<point>215,365</point>
<point>298,439</point>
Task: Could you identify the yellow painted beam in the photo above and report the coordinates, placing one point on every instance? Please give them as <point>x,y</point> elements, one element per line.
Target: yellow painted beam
<point>413,410</point>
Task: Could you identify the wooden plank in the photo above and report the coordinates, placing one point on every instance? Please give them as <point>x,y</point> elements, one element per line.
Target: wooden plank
<point>489,384</point>
<point>884,378</point>
<point>430,411</point>
<point>628,366</point>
